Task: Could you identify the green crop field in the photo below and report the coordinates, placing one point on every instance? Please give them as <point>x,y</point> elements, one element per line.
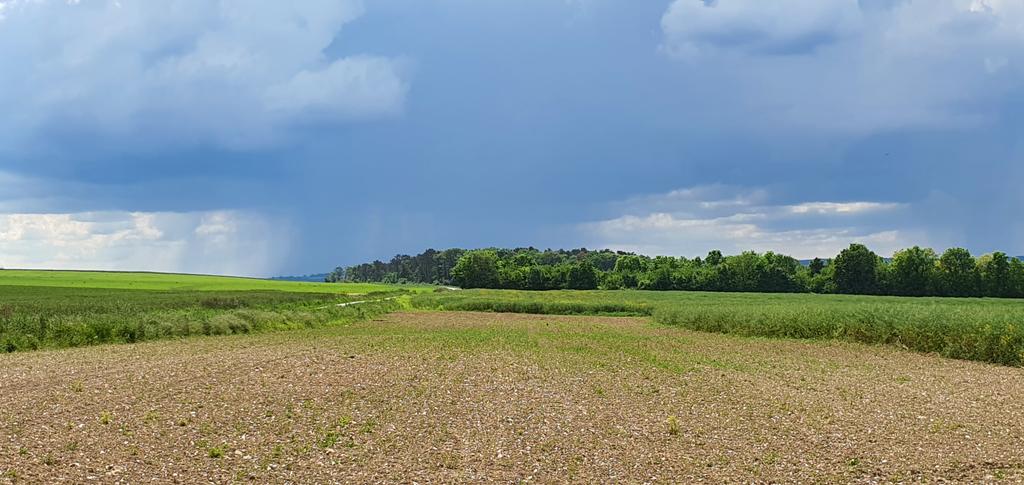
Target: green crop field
<point>53,309</point>
<point>171,281</point>
<point>983,329</point>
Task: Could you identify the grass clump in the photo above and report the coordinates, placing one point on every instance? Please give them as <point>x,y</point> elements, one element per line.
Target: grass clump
<point>673,425</point>
<point>216,451</point>
<point>329,439</point>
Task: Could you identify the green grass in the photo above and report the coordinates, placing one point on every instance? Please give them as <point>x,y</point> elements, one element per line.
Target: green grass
<point>36,317</point>
<point>982,329</point>
<point>182,282</point>
<point>53,309</point>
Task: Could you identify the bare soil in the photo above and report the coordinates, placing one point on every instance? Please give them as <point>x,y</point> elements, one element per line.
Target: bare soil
<point>478,397</point>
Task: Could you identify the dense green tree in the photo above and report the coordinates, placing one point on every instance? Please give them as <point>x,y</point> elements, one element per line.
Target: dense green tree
<point>523,259</point>
<point>476,269</point>
<point>659,278</point>
<point>913,271</point>
<point>779,273</point>
<point>823,282</point>
<point>511,277</point>
<point>444,261</point>
<point>742,272</point>
<point>630,264</point>
<point>1016,282</point>
<point>339,274</point>
<point>611,281</point>
<point>856,270</point>
<point>957,273</point>
<point>816,265</point>
<point>603,260</point>
<point>714,258</point>
<point>539,278</point>
<point>581,276</point>
<point>994,272</point>
<point>629,268</point>
<point>685,276</point>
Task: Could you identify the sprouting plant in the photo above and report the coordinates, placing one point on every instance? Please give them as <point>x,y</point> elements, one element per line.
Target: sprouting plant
<point>150,416</point>
<point>329,440</point>
<point>105,417</point>
<point>216,451</point>
<point>450,461</point>
<point>673,425</point>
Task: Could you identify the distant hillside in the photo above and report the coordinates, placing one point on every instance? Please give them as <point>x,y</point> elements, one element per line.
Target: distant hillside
<point>318,278</point>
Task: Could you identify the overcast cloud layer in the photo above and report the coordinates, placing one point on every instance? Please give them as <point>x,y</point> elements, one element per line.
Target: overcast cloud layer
<point>319,133</point>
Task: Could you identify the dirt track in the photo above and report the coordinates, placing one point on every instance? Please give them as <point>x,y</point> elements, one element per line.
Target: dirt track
<point>469,397</point>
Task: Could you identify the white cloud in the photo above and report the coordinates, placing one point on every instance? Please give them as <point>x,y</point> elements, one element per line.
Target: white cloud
<point>220,242</point>
<point>849,66</point>
<point>840,207</point>
<point>690,222</point>
<point>224,72</point>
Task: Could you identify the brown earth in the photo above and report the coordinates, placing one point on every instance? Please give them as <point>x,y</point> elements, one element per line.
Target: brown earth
<point>477,397</point>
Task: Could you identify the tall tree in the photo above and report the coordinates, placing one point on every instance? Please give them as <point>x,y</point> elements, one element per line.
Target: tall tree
<point>778,273</point>
<point>629,268</point>
<point>476,269</point>
<point>994,270</point>
<point>856,270</point>
<point>816,265</point>
<point>582,276</point>
<point>958,275</point>
<point>714,258</point>
<point>913,271</point>
<point>1016,278</point>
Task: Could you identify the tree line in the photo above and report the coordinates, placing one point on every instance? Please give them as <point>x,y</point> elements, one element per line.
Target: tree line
<point>915,271</point>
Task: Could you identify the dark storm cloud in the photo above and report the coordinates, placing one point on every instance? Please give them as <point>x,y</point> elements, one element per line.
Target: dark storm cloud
<point>391,126</point>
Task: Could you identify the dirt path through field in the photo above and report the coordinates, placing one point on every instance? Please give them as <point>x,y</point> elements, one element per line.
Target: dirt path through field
<point>475,397</point>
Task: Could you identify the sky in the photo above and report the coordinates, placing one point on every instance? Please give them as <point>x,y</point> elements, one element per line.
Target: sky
<point>265,138</point>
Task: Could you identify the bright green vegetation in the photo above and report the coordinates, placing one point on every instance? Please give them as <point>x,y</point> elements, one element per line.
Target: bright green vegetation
<point>182,282</point>
<point>53,309</point>
<point>990,330</point>
<point>34,317</point>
